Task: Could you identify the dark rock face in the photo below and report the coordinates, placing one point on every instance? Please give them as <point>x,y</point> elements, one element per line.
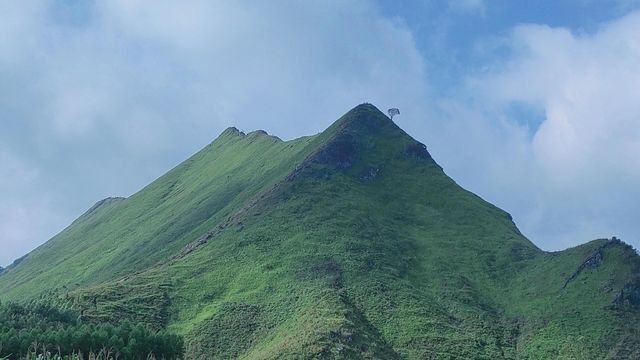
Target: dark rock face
<point>594,260</point>
<point>370,173</point>
<point>338,154</point>
<point>629,294</point>
<point>1,269</point>
<point>416,150</point>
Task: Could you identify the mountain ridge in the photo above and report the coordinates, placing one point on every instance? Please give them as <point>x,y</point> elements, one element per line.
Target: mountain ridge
<point>352,243</point>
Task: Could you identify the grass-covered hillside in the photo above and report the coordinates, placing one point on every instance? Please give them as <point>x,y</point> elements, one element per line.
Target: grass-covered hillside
<point>349,244</point>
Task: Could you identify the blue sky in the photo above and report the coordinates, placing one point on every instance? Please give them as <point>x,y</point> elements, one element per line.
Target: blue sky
<point>530,104</point>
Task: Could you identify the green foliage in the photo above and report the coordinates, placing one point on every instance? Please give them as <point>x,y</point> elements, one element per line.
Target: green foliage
<point>349,244</point>
<point>37,328</point>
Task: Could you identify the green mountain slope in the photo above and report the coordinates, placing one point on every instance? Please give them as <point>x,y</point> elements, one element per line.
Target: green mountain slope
<point>349,244</point>
<point>122,236</point>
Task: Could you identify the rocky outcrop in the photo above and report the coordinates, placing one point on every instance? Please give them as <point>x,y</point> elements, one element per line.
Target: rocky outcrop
<point>592,261</point>
<point>629,294</point>
<point>416,150</point>
<point>370,173</point>
<point>338,154</point>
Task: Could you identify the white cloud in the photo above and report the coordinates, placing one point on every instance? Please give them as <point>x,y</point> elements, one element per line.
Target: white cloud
<point>587,86</point>
<point>575,178</point>
<point>212,63</point>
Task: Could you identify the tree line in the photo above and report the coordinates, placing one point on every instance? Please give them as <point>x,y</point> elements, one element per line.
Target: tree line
<point>40,329</point>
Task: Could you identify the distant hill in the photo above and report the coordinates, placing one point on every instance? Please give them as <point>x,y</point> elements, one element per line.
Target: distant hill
<point>352,243</point>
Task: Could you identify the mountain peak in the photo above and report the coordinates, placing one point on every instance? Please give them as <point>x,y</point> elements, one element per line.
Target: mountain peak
<point>364,117</point>
<point>362,142</point>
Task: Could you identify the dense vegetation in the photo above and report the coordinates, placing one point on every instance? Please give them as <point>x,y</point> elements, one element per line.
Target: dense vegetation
<point>37,328</point>
<point>349,244</point>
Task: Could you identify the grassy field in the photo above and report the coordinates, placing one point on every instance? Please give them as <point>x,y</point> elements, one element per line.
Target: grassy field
<point>349,244</point>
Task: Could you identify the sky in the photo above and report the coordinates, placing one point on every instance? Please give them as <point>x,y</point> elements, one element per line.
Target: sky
<point>531,105</point>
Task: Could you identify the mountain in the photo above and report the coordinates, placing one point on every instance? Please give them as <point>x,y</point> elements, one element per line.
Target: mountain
<point>352,243</point>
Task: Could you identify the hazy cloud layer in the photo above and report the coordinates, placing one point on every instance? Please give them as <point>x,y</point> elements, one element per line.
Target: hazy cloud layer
<point>99,98</point>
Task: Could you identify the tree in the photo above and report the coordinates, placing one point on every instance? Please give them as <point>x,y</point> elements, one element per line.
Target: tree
<point>393,112</point>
